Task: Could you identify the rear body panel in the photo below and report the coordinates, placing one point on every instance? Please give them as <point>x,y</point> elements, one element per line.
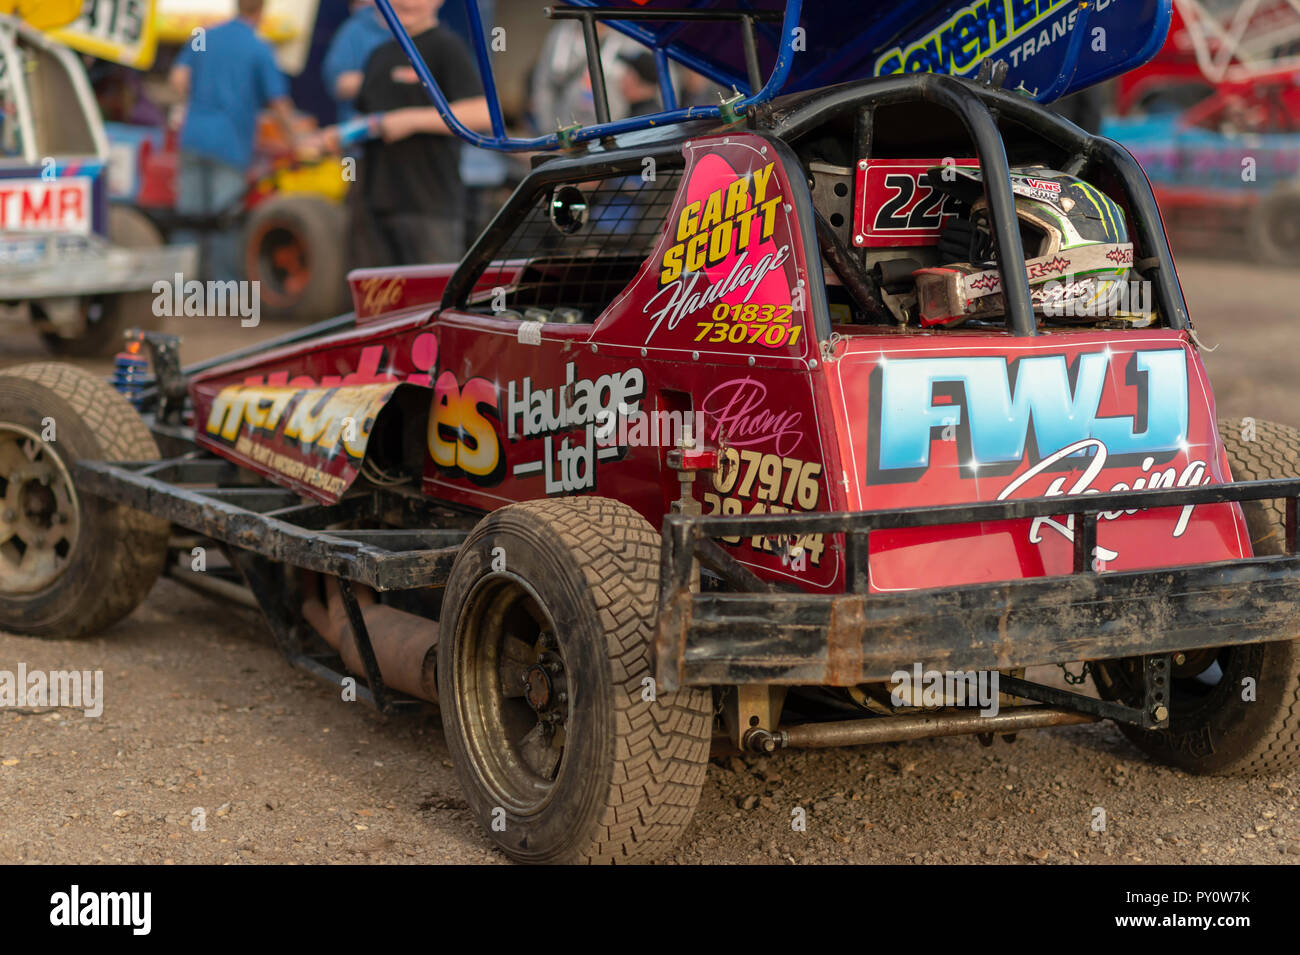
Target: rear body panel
<point>928,420</point>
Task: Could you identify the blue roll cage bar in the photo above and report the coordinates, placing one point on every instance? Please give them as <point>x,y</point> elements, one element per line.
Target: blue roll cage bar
<point>729,110</point>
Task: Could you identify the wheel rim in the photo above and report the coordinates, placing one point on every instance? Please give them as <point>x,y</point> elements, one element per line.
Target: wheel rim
<point>512,694</point>
<point>39,513</point>
<point>1284,225</point>
<point>282,263</point>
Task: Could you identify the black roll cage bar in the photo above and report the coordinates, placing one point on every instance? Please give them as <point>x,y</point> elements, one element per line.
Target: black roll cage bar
<point>976,105</point>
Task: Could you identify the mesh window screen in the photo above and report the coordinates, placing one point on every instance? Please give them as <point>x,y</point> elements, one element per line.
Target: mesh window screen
<point>585,269</point>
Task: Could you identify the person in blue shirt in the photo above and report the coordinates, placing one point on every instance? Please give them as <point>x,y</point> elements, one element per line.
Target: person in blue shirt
<point>226,76</point>
<point>344,66</point>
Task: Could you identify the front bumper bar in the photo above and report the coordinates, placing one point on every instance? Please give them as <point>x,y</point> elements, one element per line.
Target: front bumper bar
<point>755,633</point>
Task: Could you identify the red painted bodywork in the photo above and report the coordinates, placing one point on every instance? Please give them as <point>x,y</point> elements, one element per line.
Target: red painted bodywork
<point>516,415</point>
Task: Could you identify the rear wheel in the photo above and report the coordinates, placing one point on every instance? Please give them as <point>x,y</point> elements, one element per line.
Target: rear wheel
<point>1234,710</point>
<point>1273,228</point>
<point>70,564</point>
<point>565,752</point>
<point>107,317</point>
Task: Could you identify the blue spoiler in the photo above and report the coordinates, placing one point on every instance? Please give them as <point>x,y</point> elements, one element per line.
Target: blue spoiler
<point>767,47</point>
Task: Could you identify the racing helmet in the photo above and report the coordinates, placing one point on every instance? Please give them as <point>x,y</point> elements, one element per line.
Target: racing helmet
<point>1078,257</point>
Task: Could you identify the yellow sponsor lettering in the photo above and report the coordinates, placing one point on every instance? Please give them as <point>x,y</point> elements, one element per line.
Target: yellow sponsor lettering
<point>689,223</point>
<point>721,224</point>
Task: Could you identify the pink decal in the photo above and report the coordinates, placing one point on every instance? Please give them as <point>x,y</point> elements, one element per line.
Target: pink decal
<point>737,409</point>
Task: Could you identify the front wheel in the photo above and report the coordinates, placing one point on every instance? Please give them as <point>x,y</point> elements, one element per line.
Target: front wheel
<point>70,564</point>
<point>565,751</point>
<point>1233,710</point>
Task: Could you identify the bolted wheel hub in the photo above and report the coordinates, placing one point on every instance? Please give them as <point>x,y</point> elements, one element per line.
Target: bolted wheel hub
<point>544,686</point>
<point>516,706</point>
<point>537,687</point>
<point>38,512</point>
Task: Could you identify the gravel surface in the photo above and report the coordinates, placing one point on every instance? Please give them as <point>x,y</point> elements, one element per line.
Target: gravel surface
<point>201,714</point>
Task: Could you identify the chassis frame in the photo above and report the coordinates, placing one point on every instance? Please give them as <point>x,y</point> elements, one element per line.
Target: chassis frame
<point>755,634</point>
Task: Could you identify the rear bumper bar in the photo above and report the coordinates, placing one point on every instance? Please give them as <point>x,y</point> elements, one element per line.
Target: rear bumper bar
<point>755,633</point>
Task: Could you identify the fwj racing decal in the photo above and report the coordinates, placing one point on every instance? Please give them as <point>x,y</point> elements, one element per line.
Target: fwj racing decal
<point>895,204</point>
<point>723,278</point>
<point>1073,416</point>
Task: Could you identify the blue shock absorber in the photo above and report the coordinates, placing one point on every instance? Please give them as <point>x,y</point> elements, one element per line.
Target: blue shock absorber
<point>130,372</point>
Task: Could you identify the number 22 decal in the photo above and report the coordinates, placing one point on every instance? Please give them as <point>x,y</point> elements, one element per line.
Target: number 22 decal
<point>927,212</point>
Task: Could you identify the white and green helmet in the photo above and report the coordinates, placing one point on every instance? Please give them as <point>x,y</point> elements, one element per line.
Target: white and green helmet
<point>1078,257</point>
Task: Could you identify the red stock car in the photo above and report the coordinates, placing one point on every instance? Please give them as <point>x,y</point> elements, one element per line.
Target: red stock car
<point>713,439</point>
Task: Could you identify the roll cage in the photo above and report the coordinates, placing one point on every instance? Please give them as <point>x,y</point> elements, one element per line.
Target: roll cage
<point>987,115</point>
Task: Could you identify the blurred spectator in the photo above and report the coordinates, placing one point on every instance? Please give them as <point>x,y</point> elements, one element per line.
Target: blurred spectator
<point>408,205</point>
<point>121,94</point>
<point>640,83</point>
<point>345,61</point>
<point>226,75</point>
<point>560,89</point>
<point>698,90</point>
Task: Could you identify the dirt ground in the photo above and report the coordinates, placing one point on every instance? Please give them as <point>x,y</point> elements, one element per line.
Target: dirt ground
<point>201,714</point>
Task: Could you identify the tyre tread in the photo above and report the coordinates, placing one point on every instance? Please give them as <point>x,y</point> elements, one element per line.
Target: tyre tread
<point>122,436</point>
<point>661,748</point>
<point>1274,452</point>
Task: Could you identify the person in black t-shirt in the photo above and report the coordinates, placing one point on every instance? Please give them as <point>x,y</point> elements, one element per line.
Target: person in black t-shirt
<point>408,204</point>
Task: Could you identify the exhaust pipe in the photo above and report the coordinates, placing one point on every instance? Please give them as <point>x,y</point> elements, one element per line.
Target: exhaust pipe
<point>890,729</point>
<point>405,644</point>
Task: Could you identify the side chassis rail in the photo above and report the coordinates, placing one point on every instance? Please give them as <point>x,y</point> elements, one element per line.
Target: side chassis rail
<point>275,523</point>
<point>266,530</point>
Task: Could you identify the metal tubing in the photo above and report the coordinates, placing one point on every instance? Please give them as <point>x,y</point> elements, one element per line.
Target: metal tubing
<point>1062,81</point>
<point>1145,222</point>
<point>212,586</point>
<point>600,130</point>
<point>996,174</point>
<point>752,68</point>
<point>398,649</point>
<point>595,68</point>
<point>485,67</point>
<point>664,71</point>
<point>829,522</point>
<point>1148,225</point>
<point>890,729</point>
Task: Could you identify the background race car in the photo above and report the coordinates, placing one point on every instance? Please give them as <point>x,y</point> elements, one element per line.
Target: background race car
<point>79,269</point>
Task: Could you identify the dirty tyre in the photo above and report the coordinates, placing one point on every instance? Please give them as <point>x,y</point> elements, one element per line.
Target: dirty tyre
<point>294,246</point>
<point>543,657</point>
<point>71,564</point>
<point>109,316</point>
<point>1212,729</point>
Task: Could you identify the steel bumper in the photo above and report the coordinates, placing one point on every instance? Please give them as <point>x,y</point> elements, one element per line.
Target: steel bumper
<point>755,633</point>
